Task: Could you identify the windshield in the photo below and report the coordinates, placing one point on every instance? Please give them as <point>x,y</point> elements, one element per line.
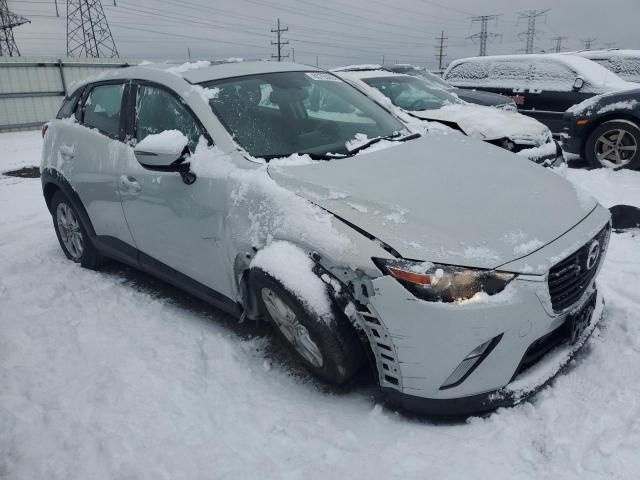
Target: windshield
<point>411,93</point>
<point>280,114</point>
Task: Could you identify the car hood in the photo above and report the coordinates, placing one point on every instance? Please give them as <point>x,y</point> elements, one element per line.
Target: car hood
<point>481,97</point>
<point>444,198</point>
<point>488,123</point>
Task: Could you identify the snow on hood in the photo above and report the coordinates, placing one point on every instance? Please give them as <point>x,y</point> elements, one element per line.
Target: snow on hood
<point>488,123</point>
<point>460,202</point>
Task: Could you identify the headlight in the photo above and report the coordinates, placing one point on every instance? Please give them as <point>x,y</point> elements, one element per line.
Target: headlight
<point>443,283</point>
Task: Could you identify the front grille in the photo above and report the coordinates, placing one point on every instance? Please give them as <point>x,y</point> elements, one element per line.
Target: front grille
<point>569,278</point>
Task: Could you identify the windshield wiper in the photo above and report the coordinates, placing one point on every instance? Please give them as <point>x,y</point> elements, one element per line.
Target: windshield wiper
<point>391,138</point>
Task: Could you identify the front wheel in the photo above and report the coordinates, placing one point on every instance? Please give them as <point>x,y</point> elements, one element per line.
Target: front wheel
<point>614,144</point>
<point>329,347</point>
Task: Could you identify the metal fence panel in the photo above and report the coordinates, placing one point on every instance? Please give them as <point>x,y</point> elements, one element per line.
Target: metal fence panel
<point>32,88</point>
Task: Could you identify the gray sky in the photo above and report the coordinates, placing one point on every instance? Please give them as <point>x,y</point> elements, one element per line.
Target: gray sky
<point>337,31</point>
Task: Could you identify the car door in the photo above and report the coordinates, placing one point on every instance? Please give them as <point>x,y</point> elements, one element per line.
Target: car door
<point>174,224</point>
<point>551,92</point>
<point>90,156</point>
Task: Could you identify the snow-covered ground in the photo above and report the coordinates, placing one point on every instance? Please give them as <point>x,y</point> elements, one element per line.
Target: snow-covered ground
<point>111,375</point>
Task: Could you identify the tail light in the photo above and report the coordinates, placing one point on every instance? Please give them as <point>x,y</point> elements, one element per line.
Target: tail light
<point>44,129</point>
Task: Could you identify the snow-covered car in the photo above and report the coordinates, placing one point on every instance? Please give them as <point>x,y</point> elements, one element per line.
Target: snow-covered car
<point>605,130</point>
<point>420,99</point>
<point>543,86</point>
<point>478,97</point>
<point>276,190</point>
<point>624,63</point>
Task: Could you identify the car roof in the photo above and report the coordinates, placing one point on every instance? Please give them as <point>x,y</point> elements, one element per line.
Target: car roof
<point>199,71</point>
<point>589,70</point>
<point>608,53</point>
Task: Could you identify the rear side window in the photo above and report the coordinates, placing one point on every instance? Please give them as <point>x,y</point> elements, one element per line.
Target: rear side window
<point>627,68</point>
<point>158,110</point>
<point>102,109</point>
<point>510,73</point>
<point>469,73</point>
<point>69,104</point>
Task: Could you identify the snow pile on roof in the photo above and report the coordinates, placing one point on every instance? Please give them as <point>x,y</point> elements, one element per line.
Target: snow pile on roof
<point>264,211</point>
<point>352,68</point>
<point>293,267</point>
<point>168,142</point>
<point>185,67</point>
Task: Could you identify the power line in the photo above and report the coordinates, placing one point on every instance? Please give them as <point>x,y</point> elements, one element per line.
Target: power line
<point>530,34</point>
<point>8,21</point>
<point>559,39</point>
<point>588,42</point>
<point>483,36</point>
<point>441,49</point>
<point>88,32</point>
<point>280,43</point>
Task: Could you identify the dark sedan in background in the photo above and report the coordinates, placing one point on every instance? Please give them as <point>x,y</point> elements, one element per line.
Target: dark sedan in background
<point>605,130</point>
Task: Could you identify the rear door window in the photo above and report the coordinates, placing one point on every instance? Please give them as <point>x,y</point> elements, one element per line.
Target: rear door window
<point>510,73</point>
<point>102,109</point>
<point>158,110</point>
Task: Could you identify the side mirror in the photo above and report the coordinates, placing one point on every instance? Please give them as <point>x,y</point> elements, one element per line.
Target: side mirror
<point>578,84</point>
<point>165,152</point>
<point>162,150</point>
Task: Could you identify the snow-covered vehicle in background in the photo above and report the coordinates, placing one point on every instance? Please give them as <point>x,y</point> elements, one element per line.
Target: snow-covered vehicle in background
<point>543,86</point>
<point>479,97</point>
<point>420,99</point>
<point>605,130</point>
<point>624,63</point>
<point>276,190</point>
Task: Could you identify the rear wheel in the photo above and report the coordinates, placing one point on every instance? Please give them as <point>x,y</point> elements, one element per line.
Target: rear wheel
<point>614,144</point>
<point>71,233</point>
<point>329,347</point>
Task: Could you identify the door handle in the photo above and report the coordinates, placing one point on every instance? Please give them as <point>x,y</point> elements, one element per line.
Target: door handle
<point>67,151</point>
<point>130,184</point>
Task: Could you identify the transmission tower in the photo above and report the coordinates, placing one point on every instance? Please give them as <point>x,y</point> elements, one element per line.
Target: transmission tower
<point>558,40</point>
<point>88,32</point>
<point>280,43</point>
<point>531,16</point>
<point>588,42</point>
<point>441,49</point>
<point>483,35</point>
<point>9,20</point>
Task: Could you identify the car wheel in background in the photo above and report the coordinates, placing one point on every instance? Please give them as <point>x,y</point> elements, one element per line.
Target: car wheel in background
<point>329,347</point>
<point>72,235</point>
<point>614,144</point>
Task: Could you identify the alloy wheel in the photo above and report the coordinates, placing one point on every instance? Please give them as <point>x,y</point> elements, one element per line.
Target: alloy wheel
<point>615,148</point>
<point>69,229</point>
<point>287,322</point>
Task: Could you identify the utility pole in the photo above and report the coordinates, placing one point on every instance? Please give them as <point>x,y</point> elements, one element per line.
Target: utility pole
<point>588,42</point>
<point>88,32</point>
<point>441,49</point>
<point>316,60</point>
<point>9,20</point>
<point>293,54</point>
<point>483,35</point>
<point>531,16</point>
<point>558,40</point>
<point>383,60</point>
<point>280,43</point>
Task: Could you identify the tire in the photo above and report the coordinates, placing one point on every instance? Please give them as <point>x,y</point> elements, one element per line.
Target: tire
<point>72,234</point>
<point>340,350</point>
<point>623,154</point>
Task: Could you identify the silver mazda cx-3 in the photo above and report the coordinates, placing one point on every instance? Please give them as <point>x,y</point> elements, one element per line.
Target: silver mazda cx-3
<point>462,274</point>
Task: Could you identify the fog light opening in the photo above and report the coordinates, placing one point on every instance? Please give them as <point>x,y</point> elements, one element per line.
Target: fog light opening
<point>470,363</point>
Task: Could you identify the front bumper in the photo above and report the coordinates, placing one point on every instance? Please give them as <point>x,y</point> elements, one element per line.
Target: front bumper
<point>518,390</point>
<point>573,135</point>
<point>547,157</point>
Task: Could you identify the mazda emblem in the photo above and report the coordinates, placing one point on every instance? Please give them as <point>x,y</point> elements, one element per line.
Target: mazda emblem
<point>593,255</point>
